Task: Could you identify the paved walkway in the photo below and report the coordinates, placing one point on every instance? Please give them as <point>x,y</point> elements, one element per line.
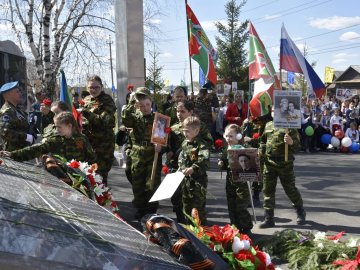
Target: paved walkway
<point>328,182</point>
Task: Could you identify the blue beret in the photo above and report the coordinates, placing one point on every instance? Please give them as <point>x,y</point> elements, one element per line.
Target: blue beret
<point>9,86</point>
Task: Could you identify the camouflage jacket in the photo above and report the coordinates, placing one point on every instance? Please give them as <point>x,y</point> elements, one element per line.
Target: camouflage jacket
<point>203,109</point>
<point>176,138</point>
<point>48,132</point>
<point>47,120</point>
<point>13,127</point>
<point>77,147</point>
<point>141,125</point>
<point>194,154</point>
<point>248,130</point>
<point>272,142</point>
<point>99,121</point>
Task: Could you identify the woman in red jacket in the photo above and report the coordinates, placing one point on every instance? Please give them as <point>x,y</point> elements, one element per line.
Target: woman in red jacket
<point>236,111</point>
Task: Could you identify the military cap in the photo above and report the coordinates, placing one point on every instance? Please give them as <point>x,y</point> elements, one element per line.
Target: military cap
<point>142,91</point>
<point>9,86</point>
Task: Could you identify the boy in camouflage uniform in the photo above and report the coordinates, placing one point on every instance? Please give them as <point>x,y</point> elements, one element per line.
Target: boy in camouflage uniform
<point>176,138</point>
<point>142,151</point>
<point>194,161</point>
<point>272,148</point>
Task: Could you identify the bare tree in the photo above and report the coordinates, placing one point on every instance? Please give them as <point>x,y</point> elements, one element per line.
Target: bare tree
<point>58,31</point>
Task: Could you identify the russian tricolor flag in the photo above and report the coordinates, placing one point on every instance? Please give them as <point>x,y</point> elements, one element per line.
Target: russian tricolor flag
<point>291,59</point>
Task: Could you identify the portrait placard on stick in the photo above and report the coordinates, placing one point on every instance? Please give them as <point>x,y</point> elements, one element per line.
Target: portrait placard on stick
<point>160,127</point>
<point>244,164</point>
<point>287,113</point>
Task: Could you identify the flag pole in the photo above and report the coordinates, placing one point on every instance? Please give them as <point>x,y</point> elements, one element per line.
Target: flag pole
<point>188,35</point>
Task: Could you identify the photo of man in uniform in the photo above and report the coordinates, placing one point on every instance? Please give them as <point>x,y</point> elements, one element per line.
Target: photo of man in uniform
<point>245,164</point>
<point>282,110</point>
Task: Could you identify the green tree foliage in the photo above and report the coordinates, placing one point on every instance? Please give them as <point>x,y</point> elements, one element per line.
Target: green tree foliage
<point>232,64</point>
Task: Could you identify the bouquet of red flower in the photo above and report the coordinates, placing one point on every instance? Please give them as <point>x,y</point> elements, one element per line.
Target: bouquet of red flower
<point>102,193</point>
<point>234,247</point>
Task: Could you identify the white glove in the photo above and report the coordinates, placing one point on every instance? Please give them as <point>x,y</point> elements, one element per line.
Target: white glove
<point>29,138</point>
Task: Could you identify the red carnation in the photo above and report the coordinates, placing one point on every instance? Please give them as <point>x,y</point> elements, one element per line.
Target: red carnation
<point>167,130</point>
<point>74,164</point>
<point>256,136</point>
<point>165,169</point>
<point>244,255</point>
<point>92,180</point>
<point>337,236</point>
<point>219,144</point>
<point>1,161</point>
<point>81,102</point>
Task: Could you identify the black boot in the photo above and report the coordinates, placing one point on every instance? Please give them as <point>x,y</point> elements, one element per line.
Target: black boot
<point>301,216</point>
<point>268,221</point>
<point>180,217</point>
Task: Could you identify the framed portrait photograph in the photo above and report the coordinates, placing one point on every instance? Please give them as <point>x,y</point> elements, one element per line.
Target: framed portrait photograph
<point>343,94</point>
<point>160,126</point>
<point>244,164</point>
<point>287,113</point>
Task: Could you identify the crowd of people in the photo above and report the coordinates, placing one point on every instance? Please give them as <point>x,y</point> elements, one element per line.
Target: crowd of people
<point>196,123</point>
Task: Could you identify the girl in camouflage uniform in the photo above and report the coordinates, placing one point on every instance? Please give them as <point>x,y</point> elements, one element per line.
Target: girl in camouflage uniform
<point>237,194</point>
<point>69,143</point>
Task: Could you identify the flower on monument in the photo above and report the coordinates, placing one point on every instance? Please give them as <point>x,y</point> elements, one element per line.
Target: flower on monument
<point>165,169</point>
<point>219,144</point>
<point>74,164</point>
<point>167,130</point>
<point>1,162</point>
<point>81,102</point>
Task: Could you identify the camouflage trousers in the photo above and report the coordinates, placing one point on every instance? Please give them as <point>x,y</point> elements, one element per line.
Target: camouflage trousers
<point>285,172</point>
<point>141,168</point>
<point>194,195</point>
<point>238,198</point>
<point>104,160</point>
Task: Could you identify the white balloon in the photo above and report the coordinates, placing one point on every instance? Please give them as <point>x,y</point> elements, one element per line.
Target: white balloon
<point>335,142</point>
<point>346,142</point>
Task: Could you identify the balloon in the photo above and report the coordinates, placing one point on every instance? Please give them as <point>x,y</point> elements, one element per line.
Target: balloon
<point>326,139</point>
<point>346,142</point>
<point>309,131</point>
<point>354,147</point>
<point>344,149</point>
<point>339,134</point>
<point>335,142</point>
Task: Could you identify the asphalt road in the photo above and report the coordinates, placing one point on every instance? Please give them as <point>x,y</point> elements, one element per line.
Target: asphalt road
<point>328,182</point>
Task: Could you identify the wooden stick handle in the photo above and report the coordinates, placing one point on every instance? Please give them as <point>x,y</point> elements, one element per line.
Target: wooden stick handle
<point>153,172</point>
<point>286,147</point>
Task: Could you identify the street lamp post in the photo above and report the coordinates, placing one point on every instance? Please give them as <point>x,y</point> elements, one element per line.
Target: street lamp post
<point>111,69</point>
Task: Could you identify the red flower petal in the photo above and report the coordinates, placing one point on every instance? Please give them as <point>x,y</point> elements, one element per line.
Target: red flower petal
<point>74,164</point>
<point>81,102</point>
<point>165,169</point>
<point>218,143</point>
<point>167,130</point>
<point>256,136</point>
<point>337,236</point>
